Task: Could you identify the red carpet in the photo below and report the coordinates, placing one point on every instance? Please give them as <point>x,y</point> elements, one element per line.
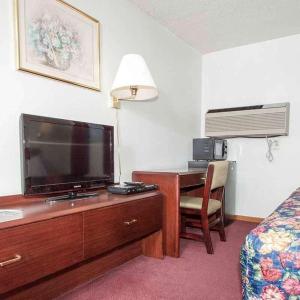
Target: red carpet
<point>196,275</point>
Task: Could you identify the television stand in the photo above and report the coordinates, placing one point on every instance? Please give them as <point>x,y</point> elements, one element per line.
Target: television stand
<point>52,249</point>
<point>71,196</point>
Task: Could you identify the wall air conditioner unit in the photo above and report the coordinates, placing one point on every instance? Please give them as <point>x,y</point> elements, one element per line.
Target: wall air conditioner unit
<point>249,121</point>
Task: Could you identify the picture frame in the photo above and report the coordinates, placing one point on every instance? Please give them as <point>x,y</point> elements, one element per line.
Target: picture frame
<point>56,40</point>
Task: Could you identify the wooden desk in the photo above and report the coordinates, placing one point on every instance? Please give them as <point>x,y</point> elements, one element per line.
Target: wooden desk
<point>171,183</point>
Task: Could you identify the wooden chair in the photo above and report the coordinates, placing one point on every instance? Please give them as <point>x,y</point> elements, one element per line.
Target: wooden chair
<point>206,213</point>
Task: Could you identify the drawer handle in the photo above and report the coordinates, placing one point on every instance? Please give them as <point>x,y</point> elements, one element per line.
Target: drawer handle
<point>128,223</point>
<point>11,261</point>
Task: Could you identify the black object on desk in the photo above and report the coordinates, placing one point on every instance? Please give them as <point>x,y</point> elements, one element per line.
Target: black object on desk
<point>125,189</point>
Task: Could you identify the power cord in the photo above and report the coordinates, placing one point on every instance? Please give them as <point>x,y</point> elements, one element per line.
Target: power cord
<point>270,144</point>
<point>118,143</point>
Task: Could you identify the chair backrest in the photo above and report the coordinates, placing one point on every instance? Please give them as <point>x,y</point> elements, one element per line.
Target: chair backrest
<point>216,177</point>
<point>220,174</point>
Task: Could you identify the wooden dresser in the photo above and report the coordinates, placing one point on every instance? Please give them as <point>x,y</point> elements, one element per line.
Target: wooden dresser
<point>53,247</point>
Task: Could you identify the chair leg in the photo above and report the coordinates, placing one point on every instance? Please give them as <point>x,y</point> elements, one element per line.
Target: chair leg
<point>207,238</point>
<point>182,223</point>
<point>221,226</point>
<point>222,231</point>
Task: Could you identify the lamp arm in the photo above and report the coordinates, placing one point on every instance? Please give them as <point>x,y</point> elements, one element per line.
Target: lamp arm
<point>133,90</point>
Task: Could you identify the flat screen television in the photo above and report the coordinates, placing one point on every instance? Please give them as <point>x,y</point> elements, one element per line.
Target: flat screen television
<point>61,155</point>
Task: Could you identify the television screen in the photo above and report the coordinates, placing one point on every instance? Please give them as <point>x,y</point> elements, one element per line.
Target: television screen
<point>61,155</point>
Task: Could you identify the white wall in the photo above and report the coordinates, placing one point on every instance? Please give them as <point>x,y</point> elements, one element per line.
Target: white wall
<point>267,72</point>
<point>154,134</point>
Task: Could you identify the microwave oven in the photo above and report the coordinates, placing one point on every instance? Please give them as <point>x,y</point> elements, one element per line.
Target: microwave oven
<point>209,149</point>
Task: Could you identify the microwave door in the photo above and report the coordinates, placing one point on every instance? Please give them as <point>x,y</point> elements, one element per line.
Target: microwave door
<point>219,150</point>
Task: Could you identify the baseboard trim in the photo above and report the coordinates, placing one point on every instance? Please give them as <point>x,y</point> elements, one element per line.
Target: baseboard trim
<point>245,218</point>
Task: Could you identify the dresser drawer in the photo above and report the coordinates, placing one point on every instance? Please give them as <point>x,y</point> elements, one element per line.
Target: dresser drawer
<point>32,251</point>
<point>108,228</point>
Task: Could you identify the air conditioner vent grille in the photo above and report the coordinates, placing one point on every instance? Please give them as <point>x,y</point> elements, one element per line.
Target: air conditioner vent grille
<point>275,121</point>
<point>256,122</point>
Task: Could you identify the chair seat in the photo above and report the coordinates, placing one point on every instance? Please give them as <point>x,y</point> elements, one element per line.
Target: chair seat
<point>196,203</point>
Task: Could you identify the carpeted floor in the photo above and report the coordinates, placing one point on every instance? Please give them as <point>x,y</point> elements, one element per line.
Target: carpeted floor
<point>196,275</point>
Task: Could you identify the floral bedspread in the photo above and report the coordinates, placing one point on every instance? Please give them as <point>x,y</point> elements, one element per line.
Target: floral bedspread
<point>270,256</point>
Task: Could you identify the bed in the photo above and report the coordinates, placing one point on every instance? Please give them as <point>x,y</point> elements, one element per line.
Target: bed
<point>270,256</point>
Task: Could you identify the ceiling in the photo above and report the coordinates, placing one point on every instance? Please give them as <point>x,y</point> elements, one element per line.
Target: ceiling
<point>212,25</point>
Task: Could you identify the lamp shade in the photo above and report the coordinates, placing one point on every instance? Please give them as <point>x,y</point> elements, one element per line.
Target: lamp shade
<point>133,73</point>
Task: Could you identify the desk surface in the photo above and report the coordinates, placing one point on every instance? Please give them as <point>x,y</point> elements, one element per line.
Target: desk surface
<point>183,171</point>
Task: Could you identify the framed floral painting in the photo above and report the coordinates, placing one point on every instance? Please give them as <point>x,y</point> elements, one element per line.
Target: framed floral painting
<point>56,40</point>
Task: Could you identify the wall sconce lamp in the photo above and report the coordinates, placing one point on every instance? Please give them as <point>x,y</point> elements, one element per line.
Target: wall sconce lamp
<point>133,81</point>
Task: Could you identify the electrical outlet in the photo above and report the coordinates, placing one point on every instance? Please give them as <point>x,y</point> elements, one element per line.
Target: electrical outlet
<point>275,145</point>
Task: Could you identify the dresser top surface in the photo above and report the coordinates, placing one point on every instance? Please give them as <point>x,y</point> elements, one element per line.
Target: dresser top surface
<point>19,210</point>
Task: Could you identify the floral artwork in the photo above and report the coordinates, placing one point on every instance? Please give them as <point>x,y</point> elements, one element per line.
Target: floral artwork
<point>270,256</point>
<point>58,41</point>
